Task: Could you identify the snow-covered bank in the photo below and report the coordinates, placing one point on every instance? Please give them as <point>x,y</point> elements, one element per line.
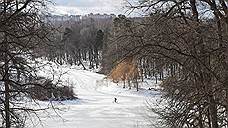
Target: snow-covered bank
<point>95,107</point>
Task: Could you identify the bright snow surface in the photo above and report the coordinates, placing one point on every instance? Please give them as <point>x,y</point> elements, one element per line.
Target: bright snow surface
<point>95,107</point>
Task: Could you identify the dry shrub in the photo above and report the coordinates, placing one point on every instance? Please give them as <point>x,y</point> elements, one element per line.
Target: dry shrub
<point>125,70</point>
<point>48,91</point>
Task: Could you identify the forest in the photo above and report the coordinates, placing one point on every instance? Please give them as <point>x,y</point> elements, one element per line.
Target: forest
<point>179,44</point>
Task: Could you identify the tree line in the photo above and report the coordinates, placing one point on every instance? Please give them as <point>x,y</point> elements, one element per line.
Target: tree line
<point>80,43</point>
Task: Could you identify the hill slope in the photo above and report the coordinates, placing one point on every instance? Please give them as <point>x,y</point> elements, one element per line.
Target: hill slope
<point>95,107</point>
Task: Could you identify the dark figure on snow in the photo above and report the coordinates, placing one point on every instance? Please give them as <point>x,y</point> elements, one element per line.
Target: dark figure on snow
<point>115,100</point>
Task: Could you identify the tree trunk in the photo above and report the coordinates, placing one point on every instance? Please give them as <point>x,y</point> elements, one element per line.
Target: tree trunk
<point>156,78</point>
<point>227,105</point>
<point>124,86</point>
<point>194,10</point>
<point>7,97</point>
<point>129,83</point>
<point>213,112</point>
<point>209,118</point>
<point>7,90</point>
<point>200,117</point>
<point>6,77</point>
<point>137,84</point>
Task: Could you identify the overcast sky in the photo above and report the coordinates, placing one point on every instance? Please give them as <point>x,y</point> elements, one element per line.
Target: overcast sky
<point>82,7</point>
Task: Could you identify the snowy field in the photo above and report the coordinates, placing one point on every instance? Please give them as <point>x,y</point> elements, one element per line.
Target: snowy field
<point>95,107</point>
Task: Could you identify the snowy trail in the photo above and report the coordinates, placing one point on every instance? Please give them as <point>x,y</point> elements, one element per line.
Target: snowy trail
<point>96,108</point>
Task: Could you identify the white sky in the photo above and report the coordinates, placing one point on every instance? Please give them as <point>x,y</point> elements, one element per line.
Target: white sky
<point>82,7</point>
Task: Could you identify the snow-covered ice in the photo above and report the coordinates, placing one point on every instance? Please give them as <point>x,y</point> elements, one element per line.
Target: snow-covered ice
<point>95,107</point>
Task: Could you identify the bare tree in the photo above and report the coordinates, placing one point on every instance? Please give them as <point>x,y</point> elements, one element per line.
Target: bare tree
<point>187,48</point>
<point>22,31</point>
